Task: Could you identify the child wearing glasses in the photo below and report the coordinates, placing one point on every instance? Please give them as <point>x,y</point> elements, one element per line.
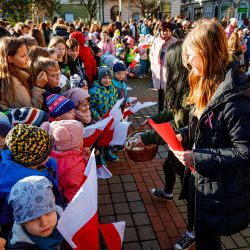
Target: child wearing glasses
<point>52,70</point>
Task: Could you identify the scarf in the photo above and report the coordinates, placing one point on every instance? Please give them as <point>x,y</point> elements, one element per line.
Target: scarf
<point>47,243</point>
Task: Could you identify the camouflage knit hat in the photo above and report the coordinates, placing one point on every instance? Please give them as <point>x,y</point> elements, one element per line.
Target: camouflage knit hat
<point>29,145</point>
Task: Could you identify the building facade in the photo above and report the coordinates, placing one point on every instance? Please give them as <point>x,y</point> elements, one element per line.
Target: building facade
<point>195,10</point>
<point>73,10</point>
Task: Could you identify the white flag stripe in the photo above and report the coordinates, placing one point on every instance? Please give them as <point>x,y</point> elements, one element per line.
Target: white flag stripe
<point>82,207</point>
<point>139,106</point>
<point>89,130</point>
<point>116,112</point>
<point>120,227</point>
<point>132,99</point>
<point>120,133</point>
<point>103,173</point>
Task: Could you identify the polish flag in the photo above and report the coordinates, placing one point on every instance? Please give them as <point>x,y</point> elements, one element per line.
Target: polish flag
<point>138,106</point>
<point>114,136</point>
<point>113,234</point>
<point>78,223</point>
<point>92,132</point>
<point>103,172</point>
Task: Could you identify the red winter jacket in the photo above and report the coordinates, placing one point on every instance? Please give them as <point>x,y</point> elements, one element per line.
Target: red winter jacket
<point>86,55</point>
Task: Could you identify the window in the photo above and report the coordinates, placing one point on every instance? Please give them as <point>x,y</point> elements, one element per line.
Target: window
<point>209,12</point>
<point>198,13</point>
<point>224,10</point>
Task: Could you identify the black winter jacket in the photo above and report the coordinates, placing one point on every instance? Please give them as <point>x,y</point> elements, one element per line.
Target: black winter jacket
<point>222,157</point>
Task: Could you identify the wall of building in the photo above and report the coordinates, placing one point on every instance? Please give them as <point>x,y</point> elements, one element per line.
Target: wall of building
<point>175,8</point>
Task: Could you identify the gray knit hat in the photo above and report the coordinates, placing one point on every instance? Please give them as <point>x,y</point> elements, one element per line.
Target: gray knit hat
<point>104,71</point>
<point>31,198</point>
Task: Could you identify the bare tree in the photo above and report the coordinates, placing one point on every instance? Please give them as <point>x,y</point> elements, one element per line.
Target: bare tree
<point>92,6</point>
<point>147,8</point>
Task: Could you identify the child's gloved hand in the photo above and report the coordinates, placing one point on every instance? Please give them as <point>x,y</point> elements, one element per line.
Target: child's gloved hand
<point>41,79</point>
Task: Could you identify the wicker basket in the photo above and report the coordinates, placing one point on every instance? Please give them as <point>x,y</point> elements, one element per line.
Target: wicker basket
<point>145,154</point>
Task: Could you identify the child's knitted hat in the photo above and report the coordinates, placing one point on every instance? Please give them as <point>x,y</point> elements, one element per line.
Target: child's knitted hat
<point>5,125</point>
<point>58,105</point>
<point>66,134</point>
<point>104,71</point>
<point>119,66</point>
<point>29,145</point>
<point>30,116</point>
<point>31,198</point>
<point>76,95</point>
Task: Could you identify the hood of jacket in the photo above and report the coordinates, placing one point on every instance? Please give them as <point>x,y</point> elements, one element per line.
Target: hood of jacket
<point>78,36</point>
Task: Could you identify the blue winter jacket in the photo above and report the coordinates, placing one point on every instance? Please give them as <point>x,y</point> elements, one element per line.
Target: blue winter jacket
<point>11,173</point>
<point>122,90</point>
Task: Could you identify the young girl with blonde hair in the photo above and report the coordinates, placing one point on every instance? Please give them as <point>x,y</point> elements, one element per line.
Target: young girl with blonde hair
<point>16,88</point>
<point>218,137</point>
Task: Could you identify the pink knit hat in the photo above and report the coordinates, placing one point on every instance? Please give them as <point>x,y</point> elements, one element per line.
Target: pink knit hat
<point>76,95</point>
<point>67,134</point>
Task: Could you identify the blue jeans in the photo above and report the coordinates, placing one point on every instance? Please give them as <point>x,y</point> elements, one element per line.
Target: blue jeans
<point>143,67</point>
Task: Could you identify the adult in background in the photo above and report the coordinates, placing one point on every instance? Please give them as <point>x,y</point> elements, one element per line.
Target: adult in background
<point>158,60</point>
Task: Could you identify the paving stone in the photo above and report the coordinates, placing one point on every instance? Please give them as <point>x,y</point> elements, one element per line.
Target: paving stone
<point>141,219</point>
<point>118,197</point>
<point>130,186</point>
<point>103,189</point>
<point>137,207</point>
<point>151,245</point>
<point>127,178</point>
<point>228,243</point>
<point>105,210</point>
<point>121,208</point>
<point>102,181</point>
<point>146,233</point>
<point>127,218</point>
<point>239,240</point>
<point>246,232</point>
<point>107,219</point>
<point>104,199</point>
<point>130,234</point>
<point>133,196</point>
<point>116,188</point>
<point>115,179</point>
<point>131,246</point>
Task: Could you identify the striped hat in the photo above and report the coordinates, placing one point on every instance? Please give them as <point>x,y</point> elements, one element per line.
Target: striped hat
<point>29,145</point>
<point>5,126</point>
<point>58,105</point>
<point>30,116</point>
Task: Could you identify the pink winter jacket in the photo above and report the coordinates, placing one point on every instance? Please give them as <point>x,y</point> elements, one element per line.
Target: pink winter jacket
<point>107,46</point>
<point>159,74</point>
<point>71,167</point>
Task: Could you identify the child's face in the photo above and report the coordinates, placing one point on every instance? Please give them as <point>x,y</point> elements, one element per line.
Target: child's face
<point>84,109</point>
<point>60,51</point>
<point>53,74</point>
<point>43,225</point>
<point>120,75</point>
<point>66,116</point>
<point>106,81</point>
<point>20,59</point>
<point>74,53</point>
<point>2,142</point>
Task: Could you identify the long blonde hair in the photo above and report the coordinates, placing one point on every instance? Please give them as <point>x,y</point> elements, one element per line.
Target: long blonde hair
<point>208,41</point>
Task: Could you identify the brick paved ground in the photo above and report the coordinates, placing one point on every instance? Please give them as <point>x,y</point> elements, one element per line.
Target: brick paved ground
<point>151,223</point>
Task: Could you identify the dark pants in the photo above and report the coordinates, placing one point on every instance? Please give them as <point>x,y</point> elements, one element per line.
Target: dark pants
<point>171,167</point>
<point>206,239</point>
<point>161,99</point>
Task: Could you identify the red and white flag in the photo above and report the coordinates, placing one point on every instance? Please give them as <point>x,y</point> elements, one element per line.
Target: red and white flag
<point>92,132</point>
<point>113,234</point>
<point>78,223</point>
<point>114,136</point>
<point>103,172</point>
<point>138,106</point>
